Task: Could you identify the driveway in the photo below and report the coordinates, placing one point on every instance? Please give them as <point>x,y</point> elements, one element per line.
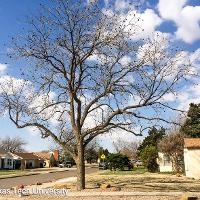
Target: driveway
<point>42,178</point>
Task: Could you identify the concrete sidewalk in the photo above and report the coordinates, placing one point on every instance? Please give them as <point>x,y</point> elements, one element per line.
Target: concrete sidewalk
<point>122,193</point>
<point>106,195</point>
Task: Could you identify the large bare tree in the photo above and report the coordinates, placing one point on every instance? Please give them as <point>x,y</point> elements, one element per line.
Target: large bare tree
<point>87,76</point>
<point>15,144</point>
<point>128,148</point>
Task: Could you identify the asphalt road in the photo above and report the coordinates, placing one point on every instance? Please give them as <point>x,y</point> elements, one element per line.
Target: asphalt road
<point>42,178</point>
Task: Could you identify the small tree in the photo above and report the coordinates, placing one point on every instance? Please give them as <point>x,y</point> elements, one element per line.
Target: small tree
<point>191,127</point>
<point>91,152</point>
<point>173,145</point>
<point>149,157</point>
<point>103,151</point>
<point>52,161</point>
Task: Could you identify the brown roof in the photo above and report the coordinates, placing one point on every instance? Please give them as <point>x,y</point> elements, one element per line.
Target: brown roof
<point>44,155</point>
<point>28,156</point>
<point>192,142</point>
<point>2,152</point>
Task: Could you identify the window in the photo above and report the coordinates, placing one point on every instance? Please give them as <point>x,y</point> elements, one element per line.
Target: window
<point>9,162</point>
<point>167,160</point>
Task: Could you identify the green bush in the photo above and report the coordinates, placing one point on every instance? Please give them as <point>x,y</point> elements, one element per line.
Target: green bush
<point>118,161</point>
<point>149,158</point>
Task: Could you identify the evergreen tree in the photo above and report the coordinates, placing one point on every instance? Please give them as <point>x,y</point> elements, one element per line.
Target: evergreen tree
<point>91,155</point>
<point>52,161</point>
<point>191,127</point>
<point>149,157</point>
<point>148,149</point>
<point>153,138</point>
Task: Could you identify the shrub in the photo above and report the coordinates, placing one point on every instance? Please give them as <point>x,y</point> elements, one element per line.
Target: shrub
<point>149,158</point>
<point>118,161</point>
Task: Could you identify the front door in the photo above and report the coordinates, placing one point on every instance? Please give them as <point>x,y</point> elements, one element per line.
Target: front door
<point>2,163</point>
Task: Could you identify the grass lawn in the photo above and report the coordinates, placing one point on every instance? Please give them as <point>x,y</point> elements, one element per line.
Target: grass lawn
<point>12,172</point>
<point>136,170</point>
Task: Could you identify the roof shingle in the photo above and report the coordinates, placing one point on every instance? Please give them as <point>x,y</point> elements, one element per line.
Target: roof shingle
<point>192,143</point>
<point>28,156</point>
<point>44,155</point>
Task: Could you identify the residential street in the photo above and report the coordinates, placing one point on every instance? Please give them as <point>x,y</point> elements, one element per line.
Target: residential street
<point>42,178</point>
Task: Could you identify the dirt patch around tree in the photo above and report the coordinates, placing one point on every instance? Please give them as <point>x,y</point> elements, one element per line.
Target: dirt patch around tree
<point>146,182</point>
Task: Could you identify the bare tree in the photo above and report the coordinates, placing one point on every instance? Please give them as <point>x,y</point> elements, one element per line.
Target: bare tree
<point>14,144</point>
<point>128,148</point>
<point>172,145</point>
<point>88,76</point>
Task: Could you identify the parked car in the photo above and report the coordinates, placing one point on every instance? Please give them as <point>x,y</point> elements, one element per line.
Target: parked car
<point>103,165</point>
<point>68,164</point>
<point>138,163</point>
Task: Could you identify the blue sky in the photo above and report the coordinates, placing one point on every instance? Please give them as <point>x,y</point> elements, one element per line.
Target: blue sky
<point>179,18</point>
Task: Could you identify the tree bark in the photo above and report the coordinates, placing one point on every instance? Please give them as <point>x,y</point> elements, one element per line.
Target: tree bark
<point>80,167</point>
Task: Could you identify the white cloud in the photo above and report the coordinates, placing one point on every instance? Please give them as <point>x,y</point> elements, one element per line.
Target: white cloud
<point>185,17</point>
<point>140,25</point>
<point>169,97</point>
<point>36,102</point>
<point>190,95</point>
<point>91,1</point>
<point>121,5</point>
<point>106,2</point>
<point>93,57</point>
<point>195,58</point>
<point>126,60</point>
<point>170,9</point>
<point>108,139</point>
<point>12,85</point>
<point>146,22</point>
<point>147,50</point>
<point>3,67</point>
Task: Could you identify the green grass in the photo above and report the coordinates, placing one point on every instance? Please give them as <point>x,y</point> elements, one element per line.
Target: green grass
<point>12,172</point>
<point>15,173</point>
<point>7,172</point>
<point>136,170</point>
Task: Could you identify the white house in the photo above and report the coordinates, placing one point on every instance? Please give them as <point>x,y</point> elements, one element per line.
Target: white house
<point>6,160</point>
<point>192,157</point>
<point>164,162</point>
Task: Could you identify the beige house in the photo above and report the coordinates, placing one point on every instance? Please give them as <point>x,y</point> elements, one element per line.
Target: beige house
<point>192,157</point>
<point>29,160</point>
<point>164,162</point>
<point>46,155</point>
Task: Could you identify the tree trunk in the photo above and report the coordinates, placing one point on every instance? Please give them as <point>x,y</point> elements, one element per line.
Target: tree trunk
<point>80,167</point>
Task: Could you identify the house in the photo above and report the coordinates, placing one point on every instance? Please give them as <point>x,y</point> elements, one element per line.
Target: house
<point>164,162</point>
<point>9,160</point>
<point>46,155</point>
<point>6,160</point>
<point>29,160</point>
<point>192,157</point>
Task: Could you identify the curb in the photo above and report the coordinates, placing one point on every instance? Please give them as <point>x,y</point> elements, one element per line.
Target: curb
<point>106,194</point>
<point>36,173</point>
